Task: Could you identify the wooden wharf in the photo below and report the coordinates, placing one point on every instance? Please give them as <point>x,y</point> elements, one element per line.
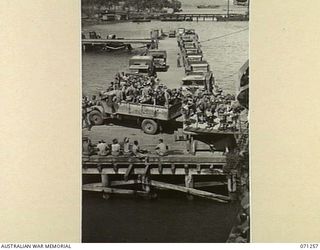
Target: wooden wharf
<point>142,172</point>
<point>102,42</point>
<point>204,17</point>
<point>122,40</point>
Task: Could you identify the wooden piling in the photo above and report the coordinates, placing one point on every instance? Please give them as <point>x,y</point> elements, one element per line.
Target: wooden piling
<point>198,168</point>
<point>232,186</point>
<point>160,168</point>
<point>128,172</point>
<point>115,168</point>
<point>188,180</point>
<point>173,168</point>
<point>105,182</point>
<point>186,169</point>
<point>146,184</point>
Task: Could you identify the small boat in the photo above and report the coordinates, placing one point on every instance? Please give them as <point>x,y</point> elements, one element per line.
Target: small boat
<point>114,46</point>
<point>141,20</point>
<point>208,6</point>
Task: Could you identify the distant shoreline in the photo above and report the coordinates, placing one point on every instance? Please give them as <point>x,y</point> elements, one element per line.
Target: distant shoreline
<point>86,23</point>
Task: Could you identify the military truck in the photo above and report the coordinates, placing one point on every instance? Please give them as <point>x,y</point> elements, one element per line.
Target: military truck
<point>199,81</point>
<point>194,65</point>
<point>151,118</point>
<point>142,65</point>
<point>159,59</point>
<point>199,76</point>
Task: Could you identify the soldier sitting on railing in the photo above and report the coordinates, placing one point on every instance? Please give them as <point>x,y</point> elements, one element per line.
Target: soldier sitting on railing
<point>103,148</point>
<point>87,147</point>
<point>161,148</point>
<point>140,153</point>
<point>115,148</point>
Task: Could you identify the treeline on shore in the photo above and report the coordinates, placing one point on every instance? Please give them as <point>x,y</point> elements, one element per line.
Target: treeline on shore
<point>90,7</point>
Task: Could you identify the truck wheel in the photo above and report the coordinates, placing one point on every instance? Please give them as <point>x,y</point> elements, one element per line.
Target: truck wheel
<point>96,117</point>
<point>149,126</point>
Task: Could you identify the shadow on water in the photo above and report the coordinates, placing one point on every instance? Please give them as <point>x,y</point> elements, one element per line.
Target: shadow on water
<point>170,218</point>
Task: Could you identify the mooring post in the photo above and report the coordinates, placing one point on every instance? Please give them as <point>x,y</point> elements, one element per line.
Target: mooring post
<point>188,179</point>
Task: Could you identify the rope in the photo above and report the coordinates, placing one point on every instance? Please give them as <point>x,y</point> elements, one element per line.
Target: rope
<point>229,34</point>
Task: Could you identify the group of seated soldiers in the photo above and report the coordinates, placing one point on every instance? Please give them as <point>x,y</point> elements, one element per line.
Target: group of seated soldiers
<point>124,148</point>
<point>214,111</point>
<point>138,88</point>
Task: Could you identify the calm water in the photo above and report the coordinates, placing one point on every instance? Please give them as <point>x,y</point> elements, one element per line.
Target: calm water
<point>171,218</point>
<point>167,219</point>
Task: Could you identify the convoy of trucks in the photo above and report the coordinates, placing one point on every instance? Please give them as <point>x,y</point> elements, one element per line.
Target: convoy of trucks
<point>151,118</point>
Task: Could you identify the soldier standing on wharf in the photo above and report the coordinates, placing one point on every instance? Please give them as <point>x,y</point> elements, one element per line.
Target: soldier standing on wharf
<point>85,113</point>
<point>178,60</point>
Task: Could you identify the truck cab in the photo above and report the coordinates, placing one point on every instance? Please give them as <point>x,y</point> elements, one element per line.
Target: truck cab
<point>199,76</point>
<point>189,45</point>
<point>190,59</point>
<point>186,38</point>
<point>198,67</point>
<point>194,58</point>
<point>196,81</point>
<point>190,32</point>
<point>142,65</point>
<point>160,59</point>
<point>192,51</point>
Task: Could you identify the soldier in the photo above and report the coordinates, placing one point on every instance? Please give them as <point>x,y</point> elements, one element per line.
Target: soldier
<point>85,113</point>
<point>178,60</point>
<point>162,148</point>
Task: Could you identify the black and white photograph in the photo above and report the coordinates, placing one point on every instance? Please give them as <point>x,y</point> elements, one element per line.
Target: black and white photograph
<point>165,126</point>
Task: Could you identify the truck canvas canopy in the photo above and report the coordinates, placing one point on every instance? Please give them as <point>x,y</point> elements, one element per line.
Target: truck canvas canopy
<point>194,80</point>
<point>158,53</point>
<point>140,60</point>
<point>160,59</point>
<point>193,51</point>
<point>190,31</point>
<point>200,67</point>
<point>194,58</point>
<point>188,38</point>
<point>189,45</point>
<point>141,64</point>
<point>139,67</point>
